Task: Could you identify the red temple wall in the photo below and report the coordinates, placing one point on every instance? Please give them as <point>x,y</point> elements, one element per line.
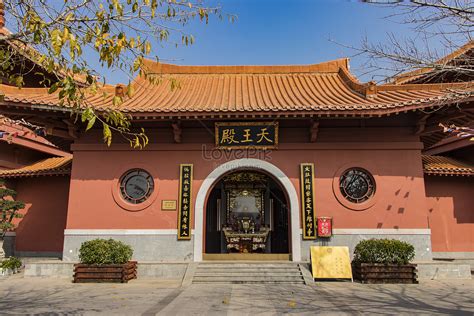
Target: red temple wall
<point>42,227</point>
<point>392,155</point>
<point>451,213</point>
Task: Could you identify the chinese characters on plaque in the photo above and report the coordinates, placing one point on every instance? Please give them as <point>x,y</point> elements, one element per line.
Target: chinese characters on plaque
<point>324,226</point>
<point>240,135</point>
<point>185,202</point>
<point>330,262</point>
<point>307,201</point>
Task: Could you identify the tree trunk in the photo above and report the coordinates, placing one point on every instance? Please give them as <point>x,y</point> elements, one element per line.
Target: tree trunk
<point>2,252</point>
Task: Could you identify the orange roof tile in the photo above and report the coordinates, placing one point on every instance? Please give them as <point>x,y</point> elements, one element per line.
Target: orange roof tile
<point>49,166</point>
<point>440,165</point>
<point>326,88</point>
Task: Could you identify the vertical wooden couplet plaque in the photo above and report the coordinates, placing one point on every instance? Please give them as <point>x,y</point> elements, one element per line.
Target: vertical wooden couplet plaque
<point>185,201</point>
<point>307,201</point>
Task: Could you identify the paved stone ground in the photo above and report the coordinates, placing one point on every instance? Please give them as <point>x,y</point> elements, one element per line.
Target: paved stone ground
<point>46,296</point>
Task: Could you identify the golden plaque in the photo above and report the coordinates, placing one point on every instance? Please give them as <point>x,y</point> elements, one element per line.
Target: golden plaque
<point>168,205</point>
<point>330,262</point>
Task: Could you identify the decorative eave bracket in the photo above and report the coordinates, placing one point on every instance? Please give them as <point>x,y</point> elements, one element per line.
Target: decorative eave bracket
<point>421,124</point>
<point>313,131</point>
<point>177,131</point>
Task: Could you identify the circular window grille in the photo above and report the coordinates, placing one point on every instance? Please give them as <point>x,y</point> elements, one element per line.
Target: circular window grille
<point>136,186</point>
<point>357,185</point>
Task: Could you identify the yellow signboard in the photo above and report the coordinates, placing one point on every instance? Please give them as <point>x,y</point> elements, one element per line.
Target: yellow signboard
<point>330,262</point>
<point>168,205</point>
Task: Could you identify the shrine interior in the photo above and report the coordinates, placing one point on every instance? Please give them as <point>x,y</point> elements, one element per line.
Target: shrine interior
<point>247,212</point>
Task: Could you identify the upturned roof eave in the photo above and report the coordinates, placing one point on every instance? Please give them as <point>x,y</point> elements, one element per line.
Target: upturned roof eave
<point>45,167</point>
<point>407,77</point>
<point>445,166</point>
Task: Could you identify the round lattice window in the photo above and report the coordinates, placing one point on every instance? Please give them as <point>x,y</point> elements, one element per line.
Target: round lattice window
<point>136,186</point>
<point>357,185</point>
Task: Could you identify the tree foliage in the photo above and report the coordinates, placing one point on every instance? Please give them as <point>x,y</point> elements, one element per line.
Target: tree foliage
<point>440,27</point>
<point>9,208</point>
<point>63,35</point>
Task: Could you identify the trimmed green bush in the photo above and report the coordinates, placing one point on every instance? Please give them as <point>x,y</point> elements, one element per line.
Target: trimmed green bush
<point>386,251</point>
<point>105,251</point>
<point>11,263</point>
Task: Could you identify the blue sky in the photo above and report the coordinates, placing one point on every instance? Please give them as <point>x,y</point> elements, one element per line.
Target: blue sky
<point>275,32</point>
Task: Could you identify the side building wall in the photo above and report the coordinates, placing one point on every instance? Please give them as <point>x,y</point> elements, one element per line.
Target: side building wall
<point>451,215</point>
<point>40,232</point>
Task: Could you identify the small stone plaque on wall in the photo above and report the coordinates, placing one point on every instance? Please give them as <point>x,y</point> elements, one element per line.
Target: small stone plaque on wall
<point>168,205</point>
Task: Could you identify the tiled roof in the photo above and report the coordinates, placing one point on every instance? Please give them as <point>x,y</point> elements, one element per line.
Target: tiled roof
<point>11,126</point>
<point>26,137</point>
<point>33,55</point>
<point>325,89</point>
<point>440,165</point>
<point>463,55</point>
<point>49,166</point>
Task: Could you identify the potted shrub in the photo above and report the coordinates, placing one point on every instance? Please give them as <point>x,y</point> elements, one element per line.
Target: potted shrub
<point>105,260</point>
<point>10,266</point>
<point>384,261</point>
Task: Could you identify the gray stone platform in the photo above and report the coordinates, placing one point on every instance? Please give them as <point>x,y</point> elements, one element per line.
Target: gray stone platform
<point>427,270</point>
<point>439,270</point>
<point>64,269</point>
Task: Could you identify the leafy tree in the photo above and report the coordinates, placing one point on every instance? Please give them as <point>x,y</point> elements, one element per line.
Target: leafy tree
<point>9,210</point>
<point>118,33</point>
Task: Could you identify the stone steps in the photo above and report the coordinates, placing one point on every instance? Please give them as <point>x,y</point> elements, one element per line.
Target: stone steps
<point>250,270</point>
<point>251,273</point>
<point>254,274</point>
<point>240,264</point>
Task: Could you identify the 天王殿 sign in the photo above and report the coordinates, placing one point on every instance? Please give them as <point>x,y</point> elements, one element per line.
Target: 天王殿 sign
<point>262,135</point>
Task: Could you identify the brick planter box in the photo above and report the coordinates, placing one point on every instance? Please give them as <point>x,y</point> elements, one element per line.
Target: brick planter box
<point>7,272</point>
<point>101,273</point>
<point>385,273</point>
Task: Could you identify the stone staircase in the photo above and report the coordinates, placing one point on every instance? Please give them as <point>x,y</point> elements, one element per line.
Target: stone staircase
<point>249,272</point>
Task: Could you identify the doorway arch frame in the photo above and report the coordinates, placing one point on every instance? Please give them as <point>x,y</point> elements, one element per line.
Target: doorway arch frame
<point>255,164</point>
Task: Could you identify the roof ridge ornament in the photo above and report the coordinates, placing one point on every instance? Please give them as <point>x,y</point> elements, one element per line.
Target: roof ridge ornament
<point>371,89</point>
<point>119,91</point>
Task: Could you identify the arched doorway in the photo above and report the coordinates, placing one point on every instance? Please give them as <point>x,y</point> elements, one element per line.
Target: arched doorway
<point>247,213</point>
<point>283,182</point>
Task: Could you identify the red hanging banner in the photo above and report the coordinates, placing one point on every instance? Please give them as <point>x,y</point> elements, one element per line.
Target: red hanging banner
<point>324,226</point>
